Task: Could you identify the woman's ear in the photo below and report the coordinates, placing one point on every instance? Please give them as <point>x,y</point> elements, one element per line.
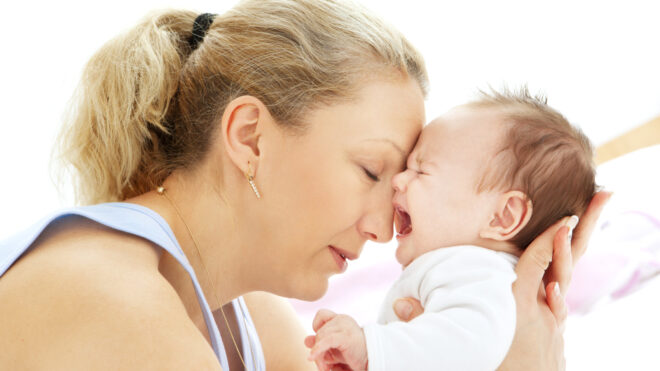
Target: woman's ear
<point>512,213</point>
<point>241,128</point>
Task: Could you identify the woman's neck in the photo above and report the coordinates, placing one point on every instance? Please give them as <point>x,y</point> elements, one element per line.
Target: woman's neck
<point>205,230</point>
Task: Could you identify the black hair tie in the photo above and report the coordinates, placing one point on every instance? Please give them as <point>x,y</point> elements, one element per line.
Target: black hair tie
<point>200,27</point>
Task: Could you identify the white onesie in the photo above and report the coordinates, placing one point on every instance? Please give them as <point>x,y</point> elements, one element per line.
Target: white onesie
<point>469,313</point>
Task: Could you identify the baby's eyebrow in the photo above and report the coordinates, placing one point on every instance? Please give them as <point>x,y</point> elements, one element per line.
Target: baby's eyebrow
<point>413,158</point>
<point>419,158</point>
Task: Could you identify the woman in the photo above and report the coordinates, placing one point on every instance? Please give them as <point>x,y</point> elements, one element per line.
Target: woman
<point>256,149</point>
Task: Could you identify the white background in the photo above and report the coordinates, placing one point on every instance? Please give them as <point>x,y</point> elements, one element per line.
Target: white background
<point>598,62</point>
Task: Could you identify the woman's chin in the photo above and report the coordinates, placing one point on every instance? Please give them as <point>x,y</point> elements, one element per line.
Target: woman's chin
<point>309,290</point>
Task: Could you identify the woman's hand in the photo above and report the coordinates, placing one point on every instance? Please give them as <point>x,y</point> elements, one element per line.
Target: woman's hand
<point>407,308</point>
<point>541,310</point>
<point>538,343</point>
<point>566,256</point>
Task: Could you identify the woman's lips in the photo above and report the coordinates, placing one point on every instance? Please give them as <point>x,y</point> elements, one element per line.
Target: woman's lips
<point>402,222</point>
<point>340,259</point>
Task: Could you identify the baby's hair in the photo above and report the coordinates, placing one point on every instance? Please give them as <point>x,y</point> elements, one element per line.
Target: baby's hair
<point>542,155</point>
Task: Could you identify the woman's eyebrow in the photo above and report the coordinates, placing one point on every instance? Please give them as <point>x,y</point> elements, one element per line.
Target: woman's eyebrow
<point>389,141</point>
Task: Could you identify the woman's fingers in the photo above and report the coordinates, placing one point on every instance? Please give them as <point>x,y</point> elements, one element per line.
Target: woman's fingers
<point>534,261</point>
<point>588,223</point>
<point>407,308</point>
<point>561,268</point>
<point>567,250</point>
<point>557,304</point>
<point>539,320</point>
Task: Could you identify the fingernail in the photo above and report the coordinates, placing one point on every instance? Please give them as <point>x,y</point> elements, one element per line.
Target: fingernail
<point>572,222</point>
<point>556,290</point>
<point>403,308</point>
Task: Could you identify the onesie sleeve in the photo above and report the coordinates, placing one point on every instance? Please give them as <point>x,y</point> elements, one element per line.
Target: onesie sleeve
<point>468,321</point>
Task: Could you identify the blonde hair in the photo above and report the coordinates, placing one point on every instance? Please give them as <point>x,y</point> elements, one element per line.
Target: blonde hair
<point>542,155</point>
<point>146,104</point>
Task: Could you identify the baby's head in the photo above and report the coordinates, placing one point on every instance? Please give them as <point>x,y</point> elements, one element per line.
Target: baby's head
<point>495,172</point>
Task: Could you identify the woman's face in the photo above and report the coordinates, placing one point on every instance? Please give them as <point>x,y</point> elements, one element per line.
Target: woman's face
<point>327,191</point>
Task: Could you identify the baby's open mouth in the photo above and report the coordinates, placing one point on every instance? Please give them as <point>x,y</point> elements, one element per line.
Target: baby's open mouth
<point>402,222</point>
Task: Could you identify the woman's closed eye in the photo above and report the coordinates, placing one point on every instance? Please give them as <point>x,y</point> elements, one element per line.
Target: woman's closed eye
<point>370,175</point>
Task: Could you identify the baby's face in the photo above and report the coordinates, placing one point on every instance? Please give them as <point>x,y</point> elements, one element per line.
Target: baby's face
<point>436,201</point>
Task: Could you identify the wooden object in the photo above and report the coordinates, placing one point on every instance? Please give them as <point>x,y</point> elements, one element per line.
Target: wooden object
<point>642,136</point>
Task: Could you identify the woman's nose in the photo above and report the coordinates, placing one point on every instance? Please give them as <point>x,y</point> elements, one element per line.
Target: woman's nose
<point>377,222</point>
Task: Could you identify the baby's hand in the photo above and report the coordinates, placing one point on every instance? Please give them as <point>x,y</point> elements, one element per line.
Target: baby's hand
<point>339,341</point>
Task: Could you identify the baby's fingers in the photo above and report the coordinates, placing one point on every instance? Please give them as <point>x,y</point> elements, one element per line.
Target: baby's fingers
<point>321,317</point>
<point>323,345</point>
<point>310,341</point>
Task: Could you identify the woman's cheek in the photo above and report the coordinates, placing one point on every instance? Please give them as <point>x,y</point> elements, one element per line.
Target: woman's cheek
<point>313,281</point>
<point>342,199</point>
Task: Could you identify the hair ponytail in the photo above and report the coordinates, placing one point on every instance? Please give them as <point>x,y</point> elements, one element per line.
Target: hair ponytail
<point>125,92</point>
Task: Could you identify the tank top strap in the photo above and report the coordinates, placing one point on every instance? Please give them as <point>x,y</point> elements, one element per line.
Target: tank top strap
<point>151,226</point>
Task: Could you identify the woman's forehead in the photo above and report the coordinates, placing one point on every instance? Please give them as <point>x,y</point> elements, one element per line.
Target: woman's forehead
<point>390,113</point>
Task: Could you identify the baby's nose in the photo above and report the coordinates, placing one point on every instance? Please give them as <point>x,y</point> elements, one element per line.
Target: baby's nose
<point>399,181</point>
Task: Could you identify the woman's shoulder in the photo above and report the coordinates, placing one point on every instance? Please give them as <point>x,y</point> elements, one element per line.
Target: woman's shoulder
<point>92,297</point>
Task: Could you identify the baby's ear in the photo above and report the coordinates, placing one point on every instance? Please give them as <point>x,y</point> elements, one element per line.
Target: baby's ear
<point>512,213</point>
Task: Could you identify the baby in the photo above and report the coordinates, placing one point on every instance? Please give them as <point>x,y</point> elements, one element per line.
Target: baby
<point>482,182</point>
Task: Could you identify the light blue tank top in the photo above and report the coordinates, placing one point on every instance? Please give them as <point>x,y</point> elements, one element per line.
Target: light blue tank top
<point>143,222</point>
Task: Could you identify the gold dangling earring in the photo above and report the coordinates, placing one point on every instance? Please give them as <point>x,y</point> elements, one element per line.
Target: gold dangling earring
<point>250,179</point>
